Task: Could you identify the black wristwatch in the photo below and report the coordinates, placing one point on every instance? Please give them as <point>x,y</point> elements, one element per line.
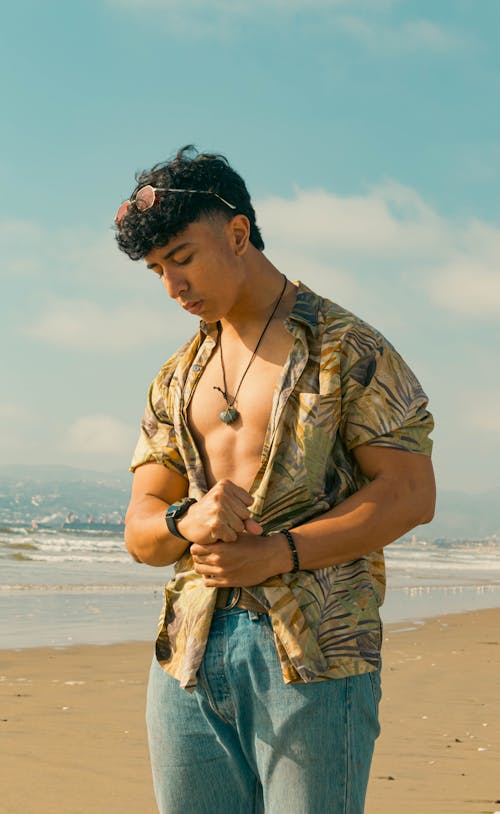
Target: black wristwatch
<point>175,512</point>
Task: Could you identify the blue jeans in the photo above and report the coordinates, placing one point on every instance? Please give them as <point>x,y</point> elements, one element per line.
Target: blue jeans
<point>245,742</point>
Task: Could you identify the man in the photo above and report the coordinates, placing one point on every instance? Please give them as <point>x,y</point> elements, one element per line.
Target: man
<point>281,448</point>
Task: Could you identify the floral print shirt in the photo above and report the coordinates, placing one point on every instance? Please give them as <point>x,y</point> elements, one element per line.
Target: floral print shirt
<point>342,385</point>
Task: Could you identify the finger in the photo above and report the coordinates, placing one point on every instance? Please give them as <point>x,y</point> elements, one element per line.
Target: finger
<point>236,524</point>
<point>230,502</point>
<point>213,582</point>
<point>200,551</point>
<point>218,531</point>
<point>223,531</point>
<point>238,492</point>
<point>231,507</point>
<point>211,537</point>
<point>226,534</point>
<point>208,557</point>
<point>252,527</point>
<point>238,497</point>
<point>210,571</point>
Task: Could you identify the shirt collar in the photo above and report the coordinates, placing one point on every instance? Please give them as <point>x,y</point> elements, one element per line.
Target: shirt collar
<point>306,307</point>
<point>304,311</point>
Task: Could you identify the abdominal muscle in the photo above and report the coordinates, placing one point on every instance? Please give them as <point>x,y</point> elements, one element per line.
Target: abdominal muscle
<point>238,461</point>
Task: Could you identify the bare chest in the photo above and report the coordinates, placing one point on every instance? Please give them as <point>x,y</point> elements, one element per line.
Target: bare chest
<point>234,450</point>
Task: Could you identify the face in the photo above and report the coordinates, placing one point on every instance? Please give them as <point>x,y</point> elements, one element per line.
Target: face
<point>201,267</point>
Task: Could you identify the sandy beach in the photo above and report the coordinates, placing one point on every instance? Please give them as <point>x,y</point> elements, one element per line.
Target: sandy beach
<point>74,737</point>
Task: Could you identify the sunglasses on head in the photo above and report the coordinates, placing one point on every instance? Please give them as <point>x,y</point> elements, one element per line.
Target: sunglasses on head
<point>145,198</point>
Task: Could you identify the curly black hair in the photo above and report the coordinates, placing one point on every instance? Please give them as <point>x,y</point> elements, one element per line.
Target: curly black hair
<point>138,233</point>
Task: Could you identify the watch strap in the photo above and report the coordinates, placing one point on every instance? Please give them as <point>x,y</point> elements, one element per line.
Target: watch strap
<point>179,510</point>
<point>172,526</point>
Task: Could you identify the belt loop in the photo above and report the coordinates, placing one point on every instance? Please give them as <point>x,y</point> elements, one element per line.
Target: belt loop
<point>234,599</point>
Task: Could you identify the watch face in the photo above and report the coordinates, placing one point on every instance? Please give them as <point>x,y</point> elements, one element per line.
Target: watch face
<point>178,509</point>
<point>174,509</point>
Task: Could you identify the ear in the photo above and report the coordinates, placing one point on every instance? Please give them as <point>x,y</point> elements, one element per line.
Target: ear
<point>239,232</point>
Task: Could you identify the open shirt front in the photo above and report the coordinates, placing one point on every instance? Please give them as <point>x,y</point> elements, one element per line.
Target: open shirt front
<point>342,385</point>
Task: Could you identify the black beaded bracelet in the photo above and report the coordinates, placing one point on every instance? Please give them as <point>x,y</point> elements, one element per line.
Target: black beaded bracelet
<point>293,549</point>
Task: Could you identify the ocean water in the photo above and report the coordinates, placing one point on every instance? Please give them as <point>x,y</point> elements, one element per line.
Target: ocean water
<point>63,587</point>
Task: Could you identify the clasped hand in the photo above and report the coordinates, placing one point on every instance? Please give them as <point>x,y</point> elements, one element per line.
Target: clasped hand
<point>228,548</point>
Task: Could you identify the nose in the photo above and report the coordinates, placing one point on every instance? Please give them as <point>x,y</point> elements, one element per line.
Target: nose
<point>175,283</point>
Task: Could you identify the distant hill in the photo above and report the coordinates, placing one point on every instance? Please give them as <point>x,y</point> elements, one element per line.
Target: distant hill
<point>30,492</point>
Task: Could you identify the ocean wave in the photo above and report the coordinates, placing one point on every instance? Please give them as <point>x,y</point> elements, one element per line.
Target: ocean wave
<point>84,589</point>
<point>410,557</point>
<point>69,547</point>
<point>24,546</point>
<point>15,530</point>
<point>73,558</point>
<point>59,544</point>
<point>456,544</point>
<point>7,532</point>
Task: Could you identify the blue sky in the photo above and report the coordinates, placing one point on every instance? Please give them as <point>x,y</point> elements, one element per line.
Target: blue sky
<point>369,136</point>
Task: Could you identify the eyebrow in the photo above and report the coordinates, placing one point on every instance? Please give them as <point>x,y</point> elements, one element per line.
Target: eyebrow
<point>170,253</point>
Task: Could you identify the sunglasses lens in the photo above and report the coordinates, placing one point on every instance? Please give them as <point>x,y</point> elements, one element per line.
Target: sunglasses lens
<point>122,211</point>
<point>145,198</point>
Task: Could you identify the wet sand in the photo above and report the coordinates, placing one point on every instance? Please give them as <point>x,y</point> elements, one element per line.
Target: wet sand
<point>74,741</point>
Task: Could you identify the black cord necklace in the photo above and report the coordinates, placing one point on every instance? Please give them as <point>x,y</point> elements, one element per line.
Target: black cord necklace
<point>230,414</point>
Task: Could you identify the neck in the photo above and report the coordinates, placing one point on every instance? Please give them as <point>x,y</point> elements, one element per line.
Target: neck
<point>260,289</point>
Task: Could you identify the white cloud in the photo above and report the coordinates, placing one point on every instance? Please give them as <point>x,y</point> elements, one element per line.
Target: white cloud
<point>357,18</point>
<point>431,35</point>
<point>15,236</point>
<point>89,326</point>
<point>412,35</point>
<point>84,256</point>
<point>100,441</point>
<point>390,234</point>
<point>243,7</point>
<point>390,217</point>
<point>12,414</point>
<point>467,286</point>
<point>300,264</point>
<point>347,247</point>
<point>198,19</point>
<point>332,281</point>
<point>104,302</point>
<point>100,435</point>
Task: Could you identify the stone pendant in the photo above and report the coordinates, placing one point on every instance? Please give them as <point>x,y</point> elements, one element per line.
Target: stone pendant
<point>229,415</point>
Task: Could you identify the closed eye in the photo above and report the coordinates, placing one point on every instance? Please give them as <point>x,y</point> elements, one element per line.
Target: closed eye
<point>184,262</point>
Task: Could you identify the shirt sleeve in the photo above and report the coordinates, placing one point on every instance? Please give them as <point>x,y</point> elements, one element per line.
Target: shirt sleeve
<point>157,439</point>
<point>383,403</point>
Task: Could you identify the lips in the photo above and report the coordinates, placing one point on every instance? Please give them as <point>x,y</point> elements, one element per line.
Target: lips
<point>194,307</point>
